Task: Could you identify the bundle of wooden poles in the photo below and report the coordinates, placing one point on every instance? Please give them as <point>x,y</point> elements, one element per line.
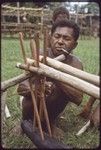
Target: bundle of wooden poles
<point>39,67</point>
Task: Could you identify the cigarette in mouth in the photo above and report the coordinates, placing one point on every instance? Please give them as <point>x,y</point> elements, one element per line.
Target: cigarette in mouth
<point>65,51</point>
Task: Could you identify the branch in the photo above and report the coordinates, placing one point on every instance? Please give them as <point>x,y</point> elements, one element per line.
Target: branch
<point>13,81</point>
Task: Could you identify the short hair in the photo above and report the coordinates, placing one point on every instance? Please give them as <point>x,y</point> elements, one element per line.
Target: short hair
<point>67,23</point>
<point>58,11</point>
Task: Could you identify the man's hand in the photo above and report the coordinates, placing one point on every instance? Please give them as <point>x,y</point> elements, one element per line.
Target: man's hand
<point>49,86</point>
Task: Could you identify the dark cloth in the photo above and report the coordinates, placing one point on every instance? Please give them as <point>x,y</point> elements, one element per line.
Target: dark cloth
<point>56,103</point>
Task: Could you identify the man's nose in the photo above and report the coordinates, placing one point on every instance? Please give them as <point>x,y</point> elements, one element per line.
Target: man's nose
<point>60,40</point>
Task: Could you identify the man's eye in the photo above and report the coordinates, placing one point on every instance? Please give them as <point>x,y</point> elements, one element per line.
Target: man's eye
<point>56,36</point>
<point>67,39</point>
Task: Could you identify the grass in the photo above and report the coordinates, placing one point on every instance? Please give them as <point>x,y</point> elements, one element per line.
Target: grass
<point>88,52</point>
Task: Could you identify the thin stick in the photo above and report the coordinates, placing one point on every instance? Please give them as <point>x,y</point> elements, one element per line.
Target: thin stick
<point>45,108</point>
<point>31,89</point>
<point>37,49</point>
<point>45,45</point>
<point>42,106</point>
<point>22,47</point>
<point>83,129</point>
<point>43,86</point>
<point>34,56</point>
<point>32,47</point>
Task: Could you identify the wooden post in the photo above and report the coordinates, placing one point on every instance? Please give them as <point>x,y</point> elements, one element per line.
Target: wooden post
<point>18,13</point>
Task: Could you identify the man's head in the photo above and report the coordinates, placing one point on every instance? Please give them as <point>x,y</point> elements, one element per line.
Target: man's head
<point>60,13</point>
<point>64,34</point>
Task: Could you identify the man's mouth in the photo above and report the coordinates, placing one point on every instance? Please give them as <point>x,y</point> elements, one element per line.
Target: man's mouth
<point>59,48</point>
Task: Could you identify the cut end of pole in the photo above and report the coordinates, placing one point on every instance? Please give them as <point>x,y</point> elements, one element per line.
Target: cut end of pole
<point>18,65</point>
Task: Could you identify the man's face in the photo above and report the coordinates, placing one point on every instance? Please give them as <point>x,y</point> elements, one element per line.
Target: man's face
<point>62,38</point>
<point>62,16</point>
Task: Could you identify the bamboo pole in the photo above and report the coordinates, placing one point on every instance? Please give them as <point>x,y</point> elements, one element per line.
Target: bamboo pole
<point>75,82</point>
<point>31,89</point>
<point>94,79</point>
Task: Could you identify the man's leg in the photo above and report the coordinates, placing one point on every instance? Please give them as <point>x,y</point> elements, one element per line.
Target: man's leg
<point>27,109</point>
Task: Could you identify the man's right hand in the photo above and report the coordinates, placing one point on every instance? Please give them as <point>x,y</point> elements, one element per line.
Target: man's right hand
<point>23,88</point>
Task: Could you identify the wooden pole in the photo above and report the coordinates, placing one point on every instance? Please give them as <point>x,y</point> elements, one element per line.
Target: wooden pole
<point>41,81</point>
<point>33,51</point>
<point>75,82</point>
<point>94,79</point>
<point>31,89</point>
<point>13,81</point>
<point>18,13</point>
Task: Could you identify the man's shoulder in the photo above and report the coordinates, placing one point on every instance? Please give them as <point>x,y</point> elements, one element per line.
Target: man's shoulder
<point>74,61</point>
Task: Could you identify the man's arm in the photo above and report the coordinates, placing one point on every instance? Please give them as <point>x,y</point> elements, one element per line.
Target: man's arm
<point>73,94</point>
<point>23,88</point>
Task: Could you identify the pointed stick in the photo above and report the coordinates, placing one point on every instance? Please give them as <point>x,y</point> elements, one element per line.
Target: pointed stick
<point>31,89</point>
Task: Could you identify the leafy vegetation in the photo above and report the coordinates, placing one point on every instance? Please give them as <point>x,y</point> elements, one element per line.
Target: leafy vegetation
<point>88,52</point>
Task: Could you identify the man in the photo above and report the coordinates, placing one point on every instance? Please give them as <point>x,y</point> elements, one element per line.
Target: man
<point>60,13</point>
<point>64,34</point>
